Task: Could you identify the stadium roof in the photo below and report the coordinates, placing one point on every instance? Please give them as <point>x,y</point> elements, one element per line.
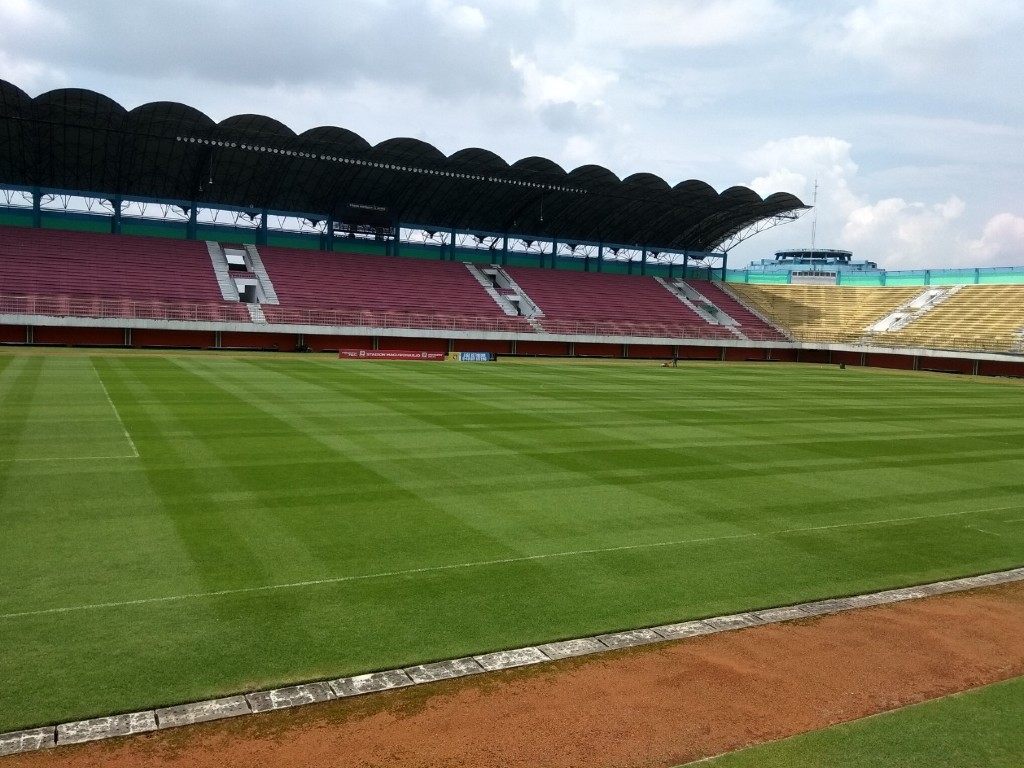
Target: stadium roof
<point>80,140</point>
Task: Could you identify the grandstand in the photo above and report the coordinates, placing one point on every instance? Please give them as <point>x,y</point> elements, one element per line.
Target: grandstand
<point>817,313</point>
<point>397,246</point>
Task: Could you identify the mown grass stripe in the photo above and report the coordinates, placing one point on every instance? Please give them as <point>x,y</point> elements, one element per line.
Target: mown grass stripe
<point>487,563</point>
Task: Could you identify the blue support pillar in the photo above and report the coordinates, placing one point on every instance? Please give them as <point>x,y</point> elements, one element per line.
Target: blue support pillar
<point>504,251</point>
<point>327,240</point>
<point>192,228</point>
<point>600,257</point>
<point>261,234</point>
<point>554,254</point>
<point>115,221</point>
<point>37,207</point>
<point>643,260</point>
<point>725,264</point>
<point>686,265</point>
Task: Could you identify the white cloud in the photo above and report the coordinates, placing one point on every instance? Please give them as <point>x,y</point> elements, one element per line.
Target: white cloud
<point>673,23</point>
<point>902,235</point>
<point>579,150</point>
<point>577,84</point>
<point>795,164</point>
<point>919,37</point>
<point>1001,242</point>
<point>897,233</point>
<point>462,18</point>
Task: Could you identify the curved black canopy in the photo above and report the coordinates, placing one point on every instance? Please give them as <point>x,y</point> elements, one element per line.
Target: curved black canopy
<point>80,140</point>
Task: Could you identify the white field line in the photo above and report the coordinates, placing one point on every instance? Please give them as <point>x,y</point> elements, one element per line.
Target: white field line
<point>117,414</point>
<point>481,564</point>
<point>70,458</point>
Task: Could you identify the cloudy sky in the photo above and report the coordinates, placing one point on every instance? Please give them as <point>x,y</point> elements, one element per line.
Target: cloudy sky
<point>909,113</point>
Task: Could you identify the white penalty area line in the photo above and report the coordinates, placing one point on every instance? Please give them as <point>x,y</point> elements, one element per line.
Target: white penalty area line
<point>483,564</point>
<point>117,415</point>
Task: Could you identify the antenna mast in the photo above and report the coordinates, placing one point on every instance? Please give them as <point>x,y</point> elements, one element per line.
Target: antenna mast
<point>814,221</point>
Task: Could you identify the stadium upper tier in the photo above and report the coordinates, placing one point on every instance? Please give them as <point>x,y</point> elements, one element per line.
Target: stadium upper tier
<point>84,142</point>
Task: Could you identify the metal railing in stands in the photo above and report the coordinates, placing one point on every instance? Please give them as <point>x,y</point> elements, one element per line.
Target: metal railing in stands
<point>107,308</point>
<point>953,343</point>
<point>117,309</point>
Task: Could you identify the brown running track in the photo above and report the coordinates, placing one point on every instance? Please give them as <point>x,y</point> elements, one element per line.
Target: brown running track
<point>658,705</point>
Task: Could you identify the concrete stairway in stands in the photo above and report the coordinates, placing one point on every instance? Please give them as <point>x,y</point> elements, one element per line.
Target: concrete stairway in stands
<point>220,268</point>
<point>266,284</point>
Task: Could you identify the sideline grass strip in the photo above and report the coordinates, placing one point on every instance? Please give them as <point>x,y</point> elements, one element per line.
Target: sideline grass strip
<point>974,729</point>
<point>260,471</point>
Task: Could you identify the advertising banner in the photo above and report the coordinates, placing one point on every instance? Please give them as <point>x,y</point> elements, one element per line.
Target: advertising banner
<point>388,354</point>
<point>471,357</point>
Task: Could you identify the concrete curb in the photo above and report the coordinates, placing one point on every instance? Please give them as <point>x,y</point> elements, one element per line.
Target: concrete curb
<point>33,739</point>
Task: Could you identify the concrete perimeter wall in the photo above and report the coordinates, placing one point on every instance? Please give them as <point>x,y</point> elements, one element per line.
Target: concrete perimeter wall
<point>67,332</point>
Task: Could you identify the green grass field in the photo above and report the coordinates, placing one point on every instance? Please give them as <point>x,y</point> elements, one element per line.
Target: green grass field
<point>185,526</point>
<point>975,729</point>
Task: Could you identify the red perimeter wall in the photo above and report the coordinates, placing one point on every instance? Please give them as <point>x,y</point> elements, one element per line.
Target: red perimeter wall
<point>12,334</point>
<point>161,337</point>
<point>319,343</point>
<point>414,343</point>
<point>483,345</point>
<point>286,342</point>
<point>654,351</point>
<point>78,337</point>
<point>592,349</point>
<point>556,348</point>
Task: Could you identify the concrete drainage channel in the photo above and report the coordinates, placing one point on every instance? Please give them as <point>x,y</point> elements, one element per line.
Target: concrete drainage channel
<point>281,698</point>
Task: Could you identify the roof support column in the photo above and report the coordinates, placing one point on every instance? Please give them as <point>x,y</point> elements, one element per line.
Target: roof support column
<point>327,239</point>
<point>686,265</point>
<point>504,251</point>
<point>192,228</point>
<point>451,252</point>
<point>643,260</point>
<point>37,207</point>
<point>600,257</point>
<point>554,254</point>
<point>115,221</point>
<point>261,233</point>
<point>397,238</point>
<point>725,263</point>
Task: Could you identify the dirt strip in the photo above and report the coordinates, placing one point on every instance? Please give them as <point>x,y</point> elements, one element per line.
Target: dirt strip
<point>658,705</point>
